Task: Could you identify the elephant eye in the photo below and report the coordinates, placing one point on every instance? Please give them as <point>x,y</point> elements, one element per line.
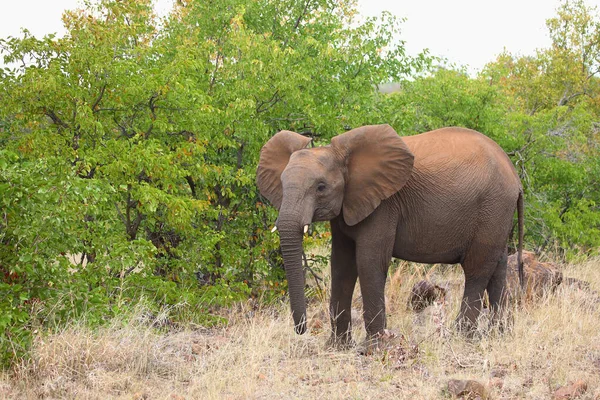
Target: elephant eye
<point>321,187</point>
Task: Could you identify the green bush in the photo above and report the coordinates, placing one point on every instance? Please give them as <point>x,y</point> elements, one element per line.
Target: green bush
<point>130,148</point>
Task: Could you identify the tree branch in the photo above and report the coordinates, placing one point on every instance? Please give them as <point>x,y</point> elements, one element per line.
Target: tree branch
<point>98,99</point>
<point>192,185</point>
<point>565,99</point>
<point>318,279</point>
<point>55,119</point>
<point>297,24</point>
<point>275,98</point>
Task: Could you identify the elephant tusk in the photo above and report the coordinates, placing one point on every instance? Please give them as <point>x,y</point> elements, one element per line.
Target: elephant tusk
<point>274,229</point>
<point>305,228</point>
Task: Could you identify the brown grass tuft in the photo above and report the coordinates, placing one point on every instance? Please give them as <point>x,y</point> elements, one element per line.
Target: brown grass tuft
<point>550,343</point>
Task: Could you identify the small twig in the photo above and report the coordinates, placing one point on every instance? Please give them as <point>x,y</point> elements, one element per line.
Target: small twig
<point>427,337</point>
<point>98,99</point>
<point>460,364</point>
<point>314,274</point>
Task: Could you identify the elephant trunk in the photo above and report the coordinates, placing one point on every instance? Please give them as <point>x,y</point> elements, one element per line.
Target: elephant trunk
<point>291,233</point>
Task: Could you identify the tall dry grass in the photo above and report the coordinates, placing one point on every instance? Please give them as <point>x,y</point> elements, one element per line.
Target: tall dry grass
<point>548,343</point>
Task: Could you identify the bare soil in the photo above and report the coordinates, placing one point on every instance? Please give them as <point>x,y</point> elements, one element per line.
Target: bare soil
<point>548,343</point>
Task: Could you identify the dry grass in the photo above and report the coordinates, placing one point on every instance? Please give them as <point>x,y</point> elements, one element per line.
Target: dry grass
<point>549,344</point>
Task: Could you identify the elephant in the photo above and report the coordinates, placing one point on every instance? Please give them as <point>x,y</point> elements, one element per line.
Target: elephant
<point>444,196</point>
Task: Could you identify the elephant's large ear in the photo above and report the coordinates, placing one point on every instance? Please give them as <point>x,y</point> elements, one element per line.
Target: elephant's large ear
<point>379,163</point>
<point>274,157</point>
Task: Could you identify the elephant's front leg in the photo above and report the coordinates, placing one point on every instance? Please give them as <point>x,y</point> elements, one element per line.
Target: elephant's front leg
<point>373,261</point>
<point>343,281</point>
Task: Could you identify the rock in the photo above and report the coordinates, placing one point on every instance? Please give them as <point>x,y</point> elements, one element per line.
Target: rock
<point>572,391</point>
<point>467,389</point>
<point>593,297</point>
<point>576,283</point>
<point>540,277</point>
<point>423,294</point>
<point>391,348</point>
<point>528,382</point>
<point>496,382</point>
<point>498,372</point>
<point>316,326</point>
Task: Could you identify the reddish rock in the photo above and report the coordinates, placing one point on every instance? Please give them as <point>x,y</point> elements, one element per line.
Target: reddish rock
<point>576,283</point>
<point>540,277</point>
<point>467,389</point>
<point>498,372</point>
<point>423,294</point>
<point>496,382</point>
<point>572,391</point>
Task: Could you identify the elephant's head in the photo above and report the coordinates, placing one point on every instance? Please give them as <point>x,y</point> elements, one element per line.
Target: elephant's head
<point>352,176</point>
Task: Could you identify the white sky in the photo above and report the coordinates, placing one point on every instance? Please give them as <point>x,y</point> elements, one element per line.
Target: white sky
<point>467,32</point>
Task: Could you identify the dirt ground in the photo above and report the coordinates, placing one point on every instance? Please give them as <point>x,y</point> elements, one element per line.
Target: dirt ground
<point>550,343</point>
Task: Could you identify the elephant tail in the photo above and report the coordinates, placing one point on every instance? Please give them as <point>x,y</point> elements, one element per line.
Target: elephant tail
<point>520,245</point>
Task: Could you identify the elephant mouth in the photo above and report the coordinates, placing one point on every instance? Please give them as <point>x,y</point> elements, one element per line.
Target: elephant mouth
<point>304,230</point>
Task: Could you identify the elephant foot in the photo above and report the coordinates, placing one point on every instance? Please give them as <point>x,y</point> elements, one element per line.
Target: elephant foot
<point>501,322</point>
<point>384,341</point>
<point>342,342</point>
<point>485,325</point>
<point>471,321</point>
<point>465,326</point>
<point>487,322</point>
<point>468,329</point>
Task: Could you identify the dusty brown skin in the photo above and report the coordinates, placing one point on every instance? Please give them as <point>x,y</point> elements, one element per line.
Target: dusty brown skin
<point>446,196</point>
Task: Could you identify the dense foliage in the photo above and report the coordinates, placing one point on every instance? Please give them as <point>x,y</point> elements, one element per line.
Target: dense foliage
<point>543,109</point>
<point>128,147</point>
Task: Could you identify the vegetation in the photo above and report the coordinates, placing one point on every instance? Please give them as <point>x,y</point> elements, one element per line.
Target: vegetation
<point>543,110</point>
<point>128,147</point>
<point>552,343</point>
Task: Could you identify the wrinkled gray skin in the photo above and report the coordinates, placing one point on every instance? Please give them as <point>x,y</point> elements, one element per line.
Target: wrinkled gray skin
<point>446,196</point>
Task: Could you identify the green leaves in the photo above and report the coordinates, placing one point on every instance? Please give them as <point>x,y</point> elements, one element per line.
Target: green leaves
<point>129,146</point>
<point>542,110</point>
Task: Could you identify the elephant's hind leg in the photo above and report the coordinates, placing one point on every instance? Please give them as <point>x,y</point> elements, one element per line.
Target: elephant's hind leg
<point>497,289</point>
<point>472,302</point>
<point>479,265</point>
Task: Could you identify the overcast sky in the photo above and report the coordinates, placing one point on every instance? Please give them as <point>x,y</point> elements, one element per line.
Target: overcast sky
<point>467,32</point>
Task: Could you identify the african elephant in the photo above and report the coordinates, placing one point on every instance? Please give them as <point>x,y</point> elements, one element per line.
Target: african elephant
<point>445,196</point>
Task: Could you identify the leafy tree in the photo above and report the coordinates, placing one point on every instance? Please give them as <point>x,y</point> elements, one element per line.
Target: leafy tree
<point>542,110</point>
<point>552,108</point>
<point>446,97</point>
<point>129,147</point>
